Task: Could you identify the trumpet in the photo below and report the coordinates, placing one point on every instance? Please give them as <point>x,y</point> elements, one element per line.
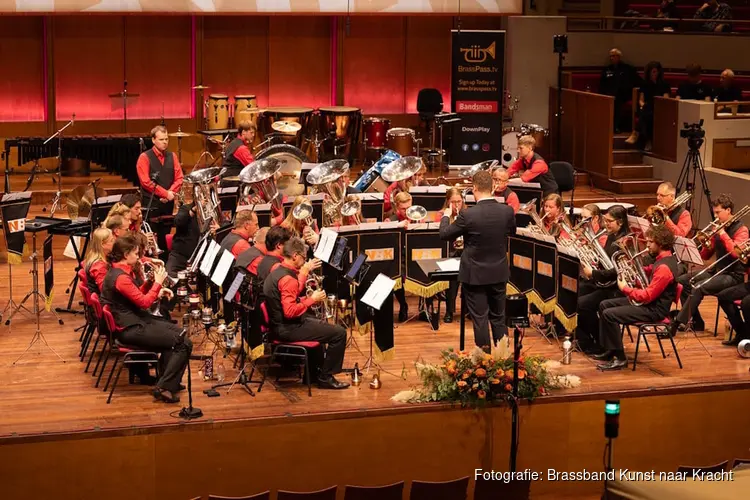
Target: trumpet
<point>703,237</point>
<point>657,214</point>
<point>152,247</point>
<point>323,309</point>
<point>628,265</point>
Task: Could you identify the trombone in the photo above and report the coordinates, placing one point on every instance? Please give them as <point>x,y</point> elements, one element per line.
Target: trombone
<point>703,237</point>
<point>657,214</point>
<point>741,253</point>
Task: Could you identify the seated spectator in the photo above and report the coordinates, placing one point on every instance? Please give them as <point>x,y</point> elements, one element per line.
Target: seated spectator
<point>653,86</point>
<point>618,80</point>
<point>714,11</point>
<point>694,88</point>
<point>668,10</point>
<point>727,91</point>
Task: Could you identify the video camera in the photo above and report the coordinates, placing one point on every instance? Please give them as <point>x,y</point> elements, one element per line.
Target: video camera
<point>694,133</point>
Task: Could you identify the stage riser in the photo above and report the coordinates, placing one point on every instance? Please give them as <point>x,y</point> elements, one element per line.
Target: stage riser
<point>243,457</point>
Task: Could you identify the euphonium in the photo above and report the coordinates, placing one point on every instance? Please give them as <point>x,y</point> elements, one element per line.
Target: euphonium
<point>207,204</point>
<point>334,200</point>
<point>322,309</point>
<point>352,209</point>
<point>590,252</point>
<point>628,265</point>
<point>657,214</point>
<point>703,237</point>
<point>538,225</point>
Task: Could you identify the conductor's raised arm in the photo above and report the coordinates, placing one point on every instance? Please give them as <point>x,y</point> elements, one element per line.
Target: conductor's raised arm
<point>450,231</point>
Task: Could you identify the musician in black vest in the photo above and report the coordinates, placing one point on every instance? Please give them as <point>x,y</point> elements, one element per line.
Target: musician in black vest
<point>597,285</point>
<point>720,244</point>
<point>250,258</point>
<point>655,299</point>
<point>484,269</point>
<point>130,306</point>
<point>276,237</point>
<point>186,237</point>
<point>678,220</point>
<point>532,168</point>
<point>500,180</point>
<point>245,227</point>
<point>289,315</point>
<point>160,174</point>
<point>239,153</point>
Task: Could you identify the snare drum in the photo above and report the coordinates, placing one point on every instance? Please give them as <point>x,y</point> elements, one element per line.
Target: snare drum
<point>339,127</point>
<point>536,131</point>
<point>401,140</point>
<point>218,111</point>
<point>303,116</point>
<point>375,131</point>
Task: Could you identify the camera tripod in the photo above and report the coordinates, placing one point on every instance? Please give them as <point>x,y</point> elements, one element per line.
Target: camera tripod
<point>693,166</point>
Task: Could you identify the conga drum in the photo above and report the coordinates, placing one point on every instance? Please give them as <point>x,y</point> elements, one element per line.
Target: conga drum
<point>218,111</point>
<point>401,140</point>
<point>242,104</point>
<point>339,127</point>
<point>303,116</point>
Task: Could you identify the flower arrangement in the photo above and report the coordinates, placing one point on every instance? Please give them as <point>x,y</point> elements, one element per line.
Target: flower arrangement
<point>474,378</point>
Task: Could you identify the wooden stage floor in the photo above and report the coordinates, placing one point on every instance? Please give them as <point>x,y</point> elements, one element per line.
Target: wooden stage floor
<point>44,396</point>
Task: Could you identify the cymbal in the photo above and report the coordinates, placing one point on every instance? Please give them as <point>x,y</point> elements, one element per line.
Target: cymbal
<point>327,172</point>
<point>201,87</point>
<point>286,127</point>
<point>401,169</point>
<point>80,200</point>
<point>180,134</point>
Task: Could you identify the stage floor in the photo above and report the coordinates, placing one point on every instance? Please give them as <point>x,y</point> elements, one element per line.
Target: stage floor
<point>42,396</point>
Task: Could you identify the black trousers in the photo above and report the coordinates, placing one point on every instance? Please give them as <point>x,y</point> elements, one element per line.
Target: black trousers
<point>450,297</point>
<point>645,122</point>
<point>175,263</point>
<point>161,336</point>
<point>486,305</point>
<point>692,296</point>
<point>726,301</point>
<point>313,329</point>
<point>616,312</point>
<point>589,298</point>
<point>400,295</point>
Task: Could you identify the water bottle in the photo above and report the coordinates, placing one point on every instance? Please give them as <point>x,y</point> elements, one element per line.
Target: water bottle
<point>567,351</point>
<point>208,368</point>
<point>220,372</point>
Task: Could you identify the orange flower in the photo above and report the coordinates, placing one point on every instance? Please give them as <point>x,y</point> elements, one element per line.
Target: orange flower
<point>521,374</point>
<point>494,381</point>
<point>466,375</point>
<point>475,387</point>
<point>508,387</point>
<point>481,394</point>
<point>462,384</point>
<point>481,373</point>
<point>509,373</point>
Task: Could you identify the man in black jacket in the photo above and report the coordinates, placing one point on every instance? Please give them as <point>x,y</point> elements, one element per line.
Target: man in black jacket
<point>618,80</point>
<point>484,269</point>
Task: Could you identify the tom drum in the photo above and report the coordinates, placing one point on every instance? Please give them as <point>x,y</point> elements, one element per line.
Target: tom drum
<point>401,140</point>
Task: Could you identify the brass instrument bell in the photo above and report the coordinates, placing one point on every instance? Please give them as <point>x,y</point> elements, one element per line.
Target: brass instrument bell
<point>356,375</point>
<point>376,382</point>
<point>416,213</point>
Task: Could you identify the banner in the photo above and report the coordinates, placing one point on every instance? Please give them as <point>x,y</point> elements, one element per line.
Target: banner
<point>49,274</point>
<point>15,208</point>
<point>477,71</point>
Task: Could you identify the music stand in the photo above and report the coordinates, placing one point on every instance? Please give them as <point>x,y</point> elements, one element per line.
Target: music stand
<point>124,95</point>
<point>447,270</point>
<point>686,251</point>
<point>58,195</point>
<point>379,290</point>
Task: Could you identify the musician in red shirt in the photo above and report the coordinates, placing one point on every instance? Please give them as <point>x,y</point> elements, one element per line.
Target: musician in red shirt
<point>160,174</point>
<point>95,263</point>
<point>655,299</point>
<point>531,167</point>
<point>238,153</point>
<point>678,220</point>
<point>289,316</point>
<point>400,187</point>
<point>245,227</point>
<point>130,306</point>
<point>500,180</point>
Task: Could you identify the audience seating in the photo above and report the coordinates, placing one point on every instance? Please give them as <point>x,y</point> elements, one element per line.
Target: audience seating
<point>740,461</point>
<point>266,495</point>
<point>393,491</point>
<point>326,494</point>
<point>722,466</point>
<point>447,490</point>
<point>494,490</point>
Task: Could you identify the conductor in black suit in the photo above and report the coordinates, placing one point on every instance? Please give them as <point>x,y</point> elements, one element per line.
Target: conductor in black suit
<point>484,269</point>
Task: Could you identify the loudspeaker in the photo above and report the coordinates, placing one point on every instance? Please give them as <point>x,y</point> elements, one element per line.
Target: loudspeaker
<point>560,44</point>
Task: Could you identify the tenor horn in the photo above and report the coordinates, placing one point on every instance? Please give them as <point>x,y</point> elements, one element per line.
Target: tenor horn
<point>351,209</point>
<point>303,212</point>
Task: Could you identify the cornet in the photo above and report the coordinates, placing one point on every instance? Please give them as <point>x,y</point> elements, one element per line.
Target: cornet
<point>416,213</point>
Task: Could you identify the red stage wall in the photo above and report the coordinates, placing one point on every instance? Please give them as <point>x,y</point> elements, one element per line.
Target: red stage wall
<point>283,60</point>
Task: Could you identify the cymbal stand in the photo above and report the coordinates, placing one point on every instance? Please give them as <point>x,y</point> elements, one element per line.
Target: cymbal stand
<point>57,200</point>
<point>124,95</point>
<point>38,335</point>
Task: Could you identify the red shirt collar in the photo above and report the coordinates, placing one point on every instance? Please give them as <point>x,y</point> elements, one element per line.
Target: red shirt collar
<point>158,153</point>
<point>663,254</point>
<point>244,234</point>
<point>262,248</point>
<point>289,266</point>
<point>125,267</point>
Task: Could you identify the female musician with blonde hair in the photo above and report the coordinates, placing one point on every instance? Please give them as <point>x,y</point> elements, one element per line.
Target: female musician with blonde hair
<point>592,212</point>
<point>455,200</point>
<point>95,263</point>
<point>554,213</point>
<point>299,227</point>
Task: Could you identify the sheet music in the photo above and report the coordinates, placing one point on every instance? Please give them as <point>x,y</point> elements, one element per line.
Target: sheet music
<point>220,273</point>
<point>638,223</point>
<point>208,260</point>
<point>199,255</point>
<point>449,265</point>
<point>114,198</point>
<point>687,251</point>
<point>326,243</point>
<point>428,189</point>
<point>234,287</point>
<point>377,293</point>
<point>229,190</point>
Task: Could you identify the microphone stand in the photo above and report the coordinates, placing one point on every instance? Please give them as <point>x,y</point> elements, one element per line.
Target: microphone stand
<point>58,134</point>
<point>151,199</point>
<point>517,334</point>
<point>573,195</point>
<point>188,412</point>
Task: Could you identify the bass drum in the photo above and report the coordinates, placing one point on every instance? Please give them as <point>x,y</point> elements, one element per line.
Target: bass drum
<point>510,148</point>
<point>287,178</point>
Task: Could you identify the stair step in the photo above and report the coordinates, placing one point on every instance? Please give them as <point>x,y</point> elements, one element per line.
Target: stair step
<point>634,186</point>
<point>582,179</point>
<point>627,157</point>
<point>626,172</point>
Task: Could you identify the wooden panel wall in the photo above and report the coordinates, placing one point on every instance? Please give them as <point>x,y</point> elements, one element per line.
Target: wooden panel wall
<point>731,154</point>
<point>22,63</point>
<point>664,142</point>
<point>428,58</point>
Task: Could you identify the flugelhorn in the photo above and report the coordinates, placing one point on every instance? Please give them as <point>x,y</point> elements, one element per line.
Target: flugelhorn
<point>657,214</point>
<point>628,265</point>
<point>303,212</point>
<point>703,237</point>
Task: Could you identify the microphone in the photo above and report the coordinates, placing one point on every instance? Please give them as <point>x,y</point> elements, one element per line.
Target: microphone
<point>154,176</point>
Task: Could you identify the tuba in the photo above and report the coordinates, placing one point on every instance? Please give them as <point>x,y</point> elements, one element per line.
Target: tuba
<point>703,237</point>
<point>259,179</point>
<point>628,264</point>
<point>657,214</point>
<point>206,196</point>
<point>352,209</point>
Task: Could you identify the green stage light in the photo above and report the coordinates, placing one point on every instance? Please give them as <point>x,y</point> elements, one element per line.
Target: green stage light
<point>612,408</point>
